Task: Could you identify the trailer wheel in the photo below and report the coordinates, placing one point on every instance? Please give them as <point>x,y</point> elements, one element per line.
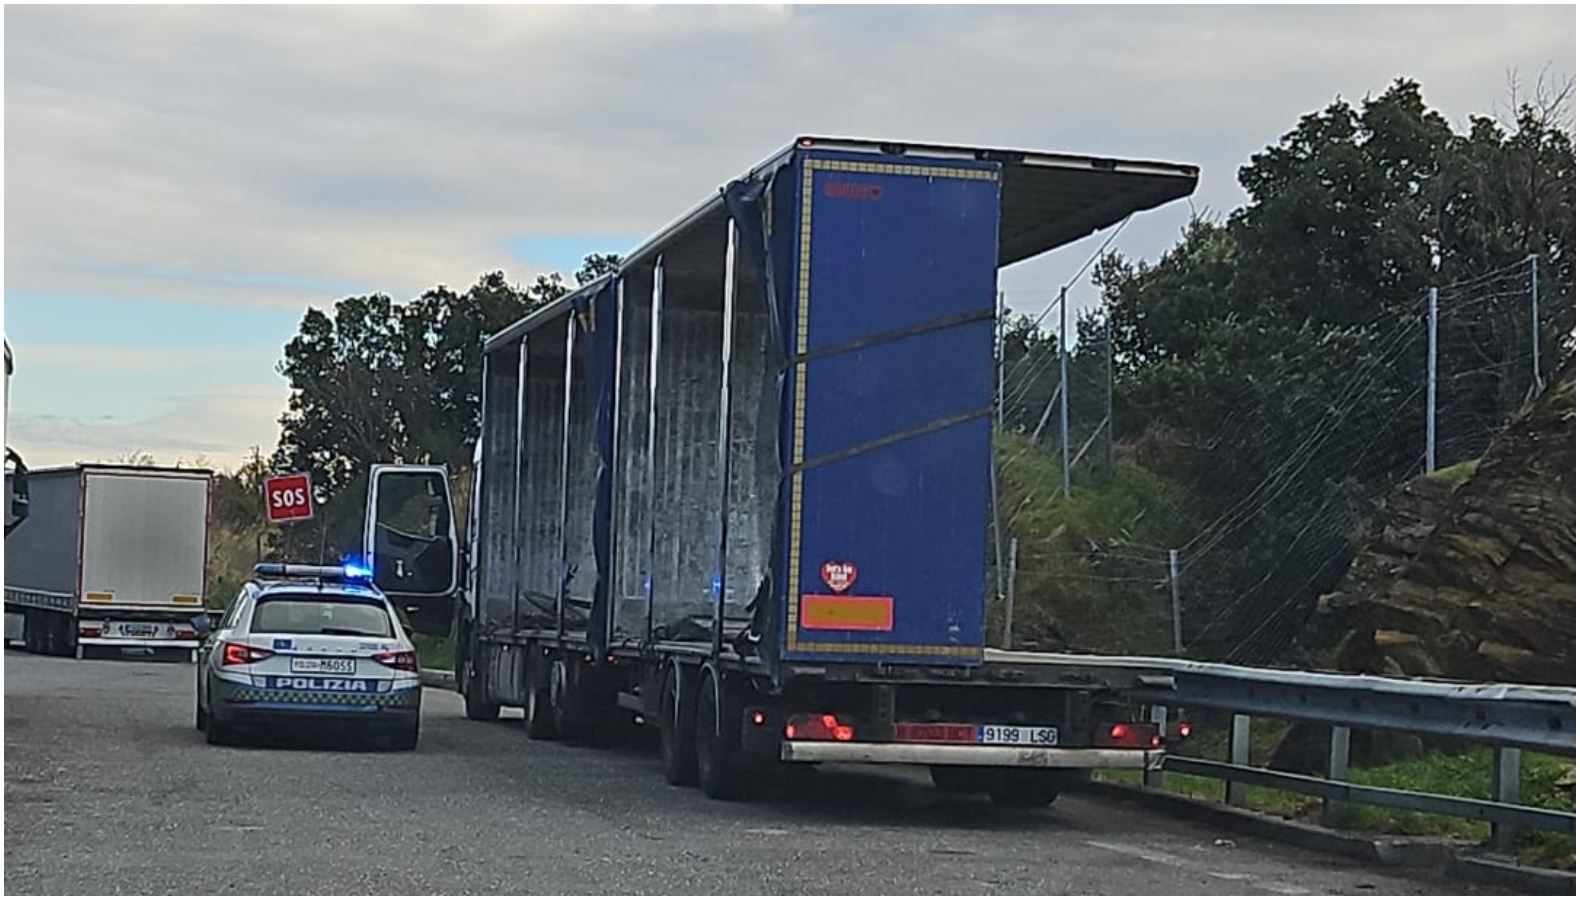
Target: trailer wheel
<point>538,711</point>
<point>478,707</point>
<point>1027,788</point>
<point>719,737</point>
<point>565,706</point>
<point>474,687</point>
<point>677,728</point>
<point>960,779</point>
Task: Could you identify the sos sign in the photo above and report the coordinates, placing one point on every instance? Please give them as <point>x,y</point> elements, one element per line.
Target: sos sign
<point>288,497</point>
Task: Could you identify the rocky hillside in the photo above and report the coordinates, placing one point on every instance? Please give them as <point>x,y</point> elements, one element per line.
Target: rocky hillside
<point>1469,573</point>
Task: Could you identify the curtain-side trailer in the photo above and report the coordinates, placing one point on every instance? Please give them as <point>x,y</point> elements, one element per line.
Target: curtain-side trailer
<point>739,488</point>
<point>112,556</point>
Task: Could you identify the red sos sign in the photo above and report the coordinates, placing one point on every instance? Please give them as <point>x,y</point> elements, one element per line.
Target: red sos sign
<point>288,497</point>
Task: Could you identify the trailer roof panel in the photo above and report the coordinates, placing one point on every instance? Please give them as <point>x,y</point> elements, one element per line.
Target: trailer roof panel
<point>1047,200</point>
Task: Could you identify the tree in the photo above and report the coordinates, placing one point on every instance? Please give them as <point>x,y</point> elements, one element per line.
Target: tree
<point>1286,346</point>
<point>596,265</point>
<point>375,380</point>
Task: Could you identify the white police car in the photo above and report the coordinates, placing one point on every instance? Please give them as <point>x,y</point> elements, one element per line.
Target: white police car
<point>309,644</point>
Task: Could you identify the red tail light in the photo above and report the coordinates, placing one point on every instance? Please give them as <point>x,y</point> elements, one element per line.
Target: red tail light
<point>758,717</point>
<point>185,634</point>
<point>825,727</point>
<point>1130,735</point>
<point>242,655</point>
<point>89,631</point>
<point>1184,729</point>
<point>405,660</point>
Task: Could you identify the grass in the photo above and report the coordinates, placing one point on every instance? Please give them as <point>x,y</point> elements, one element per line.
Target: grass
<point>1090,573</point>
<point>1546,782</point>
<point>1456,474</point>
<point>435,652</point>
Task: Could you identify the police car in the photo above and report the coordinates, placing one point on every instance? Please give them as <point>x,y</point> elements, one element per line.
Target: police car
<point>309,644</point>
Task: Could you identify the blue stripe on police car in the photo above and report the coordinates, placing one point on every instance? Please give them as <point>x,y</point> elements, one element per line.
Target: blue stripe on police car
<point>306,683</point>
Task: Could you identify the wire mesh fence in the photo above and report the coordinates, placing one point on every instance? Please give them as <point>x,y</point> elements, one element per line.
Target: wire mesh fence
<point>1150,538</point>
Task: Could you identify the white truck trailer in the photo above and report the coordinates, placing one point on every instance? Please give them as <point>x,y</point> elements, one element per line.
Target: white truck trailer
<point>111,556</point>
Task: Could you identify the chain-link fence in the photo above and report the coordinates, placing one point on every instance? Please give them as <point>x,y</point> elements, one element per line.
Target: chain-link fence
<point>1146,537</point>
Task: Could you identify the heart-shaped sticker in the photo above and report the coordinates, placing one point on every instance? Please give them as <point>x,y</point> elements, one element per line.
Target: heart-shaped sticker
<point>839,575</point>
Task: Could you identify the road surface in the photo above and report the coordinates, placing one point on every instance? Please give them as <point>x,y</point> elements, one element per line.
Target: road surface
<point>109,789</point>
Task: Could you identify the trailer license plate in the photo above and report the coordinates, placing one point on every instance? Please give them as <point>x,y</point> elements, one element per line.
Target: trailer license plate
<point>1024,735</point>
<point>137,630</point>
<point>324,666</point>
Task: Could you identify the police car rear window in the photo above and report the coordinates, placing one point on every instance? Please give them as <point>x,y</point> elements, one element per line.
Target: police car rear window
<point>320,615</point>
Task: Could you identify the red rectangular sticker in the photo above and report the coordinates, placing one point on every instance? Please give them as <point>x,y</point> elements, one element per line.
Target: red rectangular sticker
<point>844,613</point>
<point>935,733</point>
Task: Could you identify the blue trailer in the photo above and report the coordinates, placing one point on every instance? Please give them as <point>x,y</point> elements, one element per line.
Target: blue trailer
<point>739,488</point>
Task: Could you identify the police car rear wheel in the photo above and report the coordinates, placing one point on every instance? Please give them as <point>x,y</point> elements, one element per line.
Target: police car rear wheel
<point>406,737</point>
<point>219,733</point>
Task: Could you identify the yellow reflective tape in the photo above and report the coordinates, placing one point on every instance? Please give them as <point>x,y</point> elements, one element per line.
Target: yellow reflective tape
<point>99,596</point>
<point>183,598</point>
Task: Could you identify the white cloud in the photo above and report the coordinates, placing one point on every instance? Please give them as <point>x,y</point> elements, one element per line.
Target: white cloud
<point>286,155</point>
<point>220,424</point>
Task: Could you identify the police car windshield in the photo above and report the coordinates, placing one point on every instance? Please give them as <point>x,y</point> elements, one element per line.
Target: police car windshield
<point>320,615</point>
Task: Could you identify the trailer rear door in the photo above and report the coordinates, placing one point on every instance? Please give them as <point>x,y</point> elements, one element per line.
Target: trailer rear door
<point>890,416</point>
<point>144,539</point>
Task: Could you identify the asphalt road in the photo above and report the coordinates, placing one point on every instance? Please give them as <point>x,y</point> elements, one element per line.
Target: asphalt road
<point>109,789</point>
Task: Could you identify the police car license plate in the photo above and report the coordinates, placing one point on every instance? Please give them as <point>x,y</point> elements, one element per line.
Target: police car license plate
<point>320,666</point>
<point>1020,735</point>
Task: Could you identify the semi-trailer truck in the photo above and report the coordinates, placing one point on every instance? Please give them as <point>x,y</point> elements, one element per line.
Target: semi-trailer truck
<point>112,556</point>
<point>738,489</point>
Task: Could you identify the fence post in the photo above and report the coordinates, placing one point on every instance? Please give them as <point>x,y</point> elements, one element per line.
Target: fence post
<point>1505,789</point>
<point>1174,595</point>
<point>1239,755</point>
<point>1153,778</point>
<point>1108,398</point>
<point>1338,769</point>
<point>1064,391</point>
<point>1536,336</point>
<point>1009,594</point>
<point>1431,379</point>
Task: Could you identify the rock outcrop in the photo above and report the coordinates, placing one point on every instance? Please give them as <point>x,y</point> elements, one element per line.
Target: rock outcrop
<point>1469,574</point>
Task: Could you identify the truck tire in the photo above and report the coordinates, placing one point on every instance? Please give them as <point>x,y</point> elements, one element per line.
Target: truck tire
<point>960,779</point>
<point>1027,788</point>
<point>474,686</point>
<point>566,708</point>
<point>539,718</point>
<point>677,727</point>
<point>478,707</point>
<point>719,737</point>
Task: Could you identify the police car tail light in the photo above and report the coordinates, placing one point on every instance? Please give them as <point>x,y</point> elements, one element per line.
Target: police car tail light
<point>398,659</point>
<point>242,655</point>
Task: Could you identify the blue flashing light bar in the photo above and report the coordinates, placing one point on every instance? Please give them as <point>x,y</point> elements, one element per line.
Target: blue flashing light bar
<point>349,573</point>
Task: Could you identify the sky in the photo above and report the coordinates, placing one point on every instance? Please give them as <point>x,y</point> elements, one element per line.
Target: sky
<point>183,182</point>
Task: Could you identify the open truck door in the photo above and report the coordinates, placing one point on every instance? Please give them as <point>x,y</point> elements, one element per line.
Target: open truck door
<point>409,542</point>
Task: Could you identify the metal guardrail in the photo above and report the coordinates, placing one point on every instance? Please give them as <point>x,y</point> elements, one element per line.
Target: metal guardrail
<point>1507,717</point>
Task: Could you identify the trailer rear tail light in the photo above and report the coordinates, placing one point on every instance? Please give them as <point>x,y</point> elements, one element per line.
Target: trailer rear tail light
<point>1184,730</point>
<point>186,634</point>
<point>758,718</point>
<point>1129,735</point>
<point>825,727</point>
<point>89,631</point>
<point>242,655</point>
<point>405,660</point>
